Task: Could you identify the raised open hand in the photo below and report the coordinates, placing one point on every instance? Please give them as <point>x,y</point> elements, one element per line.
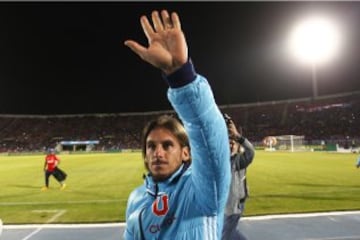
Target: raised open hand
<point>167,48</point>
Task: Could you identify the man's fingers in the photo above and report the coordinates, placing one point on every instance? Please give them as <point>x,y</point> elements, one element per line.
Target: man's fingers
<point>158,25</point>
<point>166,19</point>
<point>175,20</point>
<point>135,47</point>
<point>147,28</point>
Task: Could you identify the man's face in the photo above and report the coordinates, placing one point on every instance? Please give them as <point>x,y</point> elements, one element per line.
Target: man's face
<point>164,154</point>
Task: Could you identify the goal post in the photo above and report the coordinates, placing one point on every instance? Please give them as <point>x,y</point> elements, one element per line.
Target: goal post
<point>290,143</point>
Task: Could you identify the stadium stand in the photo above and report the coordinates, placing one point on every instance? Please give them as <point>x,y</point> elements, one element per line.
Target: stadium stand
<point>333,119</point>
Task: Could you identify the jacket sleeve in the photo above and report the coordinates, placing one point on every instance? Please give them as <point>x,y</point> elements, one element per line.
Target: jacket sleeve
<point>133,210</point>
<point>248,155</point>
<point>195,104</point>
<point>128,234</point>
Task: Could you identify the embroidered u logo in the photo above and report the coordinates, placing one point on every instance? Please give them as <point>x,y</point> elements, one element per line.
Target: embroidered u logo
<point>160,209</point>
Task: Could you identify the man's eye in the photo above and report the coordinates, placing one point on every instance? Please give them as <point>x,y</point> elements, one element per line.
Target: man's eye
<point>167,145</point>
<point>151,146</point>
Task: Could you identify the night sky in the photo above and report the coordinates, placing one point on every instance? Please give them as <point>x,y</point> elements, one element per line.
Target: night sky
<point>69,58</point>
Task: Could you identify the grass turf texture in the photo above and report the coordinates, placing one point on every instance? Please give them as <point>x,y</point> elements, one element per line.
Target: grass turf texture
<point>98,186</point>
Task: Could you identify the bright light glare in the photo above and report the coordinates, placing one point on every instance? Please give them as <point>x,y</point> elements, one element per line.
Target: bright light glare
<point>315,40</point>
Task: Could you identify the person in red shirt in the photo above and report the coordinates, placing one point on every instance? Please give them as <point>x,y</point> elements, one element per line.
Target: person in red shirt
<point>51,168</point>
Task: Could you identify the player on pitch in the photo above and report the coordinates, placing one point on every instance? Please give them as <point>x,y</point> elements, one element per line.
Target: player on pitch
<point>51,168</point>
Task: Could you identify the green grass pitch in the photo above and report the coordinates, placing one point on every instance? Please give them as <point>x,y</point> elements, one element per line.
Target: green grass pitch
<point>98,186</point>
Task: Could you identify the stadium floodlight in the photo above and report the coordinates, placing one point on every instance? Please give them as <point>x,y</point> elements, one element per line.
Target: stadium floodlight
<point>315,41</point>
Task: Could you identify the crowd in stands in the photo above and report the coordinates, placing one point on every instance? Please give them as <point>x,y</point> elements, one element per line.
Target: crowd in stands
<point>334,119</point>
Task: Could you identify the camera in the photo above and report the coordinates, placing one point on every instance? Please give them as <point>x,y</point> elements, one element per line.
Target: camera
<point>227,118</point>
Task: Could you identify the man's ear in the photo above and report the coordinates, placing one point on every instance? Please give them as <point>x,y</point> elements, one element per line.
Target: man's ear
<point>185,154</point>
<point>146,161</point>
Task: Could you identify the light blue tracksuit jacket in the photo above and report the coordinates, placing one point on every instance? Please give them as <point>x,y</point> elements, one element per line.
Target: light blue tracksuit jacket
<point>190,204</point>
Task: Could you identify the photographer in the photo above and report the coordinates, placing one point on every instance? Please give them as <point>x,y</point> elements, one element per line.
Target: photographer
<point>242,154</point>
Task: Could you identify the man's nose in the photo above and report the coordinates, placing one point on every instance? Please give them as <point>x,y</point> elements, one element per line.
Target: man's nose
<point>159,151</point>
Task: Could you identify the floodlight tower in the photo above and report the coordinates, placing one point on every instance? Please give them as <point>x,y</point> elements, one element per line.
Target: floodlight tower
<point>315,41</point>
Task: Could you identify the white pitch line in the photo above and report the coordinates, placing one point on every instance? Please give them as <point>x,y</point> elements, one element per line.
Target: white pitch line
<point>53,218</point>
<point>255,218</point>
<point>301,215</point>
<point>57,203</point>
<point>56,216</point>
<point>1,226</point>
<point>44,210</point>
<point>336,238</point>
<point>67,226</point>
